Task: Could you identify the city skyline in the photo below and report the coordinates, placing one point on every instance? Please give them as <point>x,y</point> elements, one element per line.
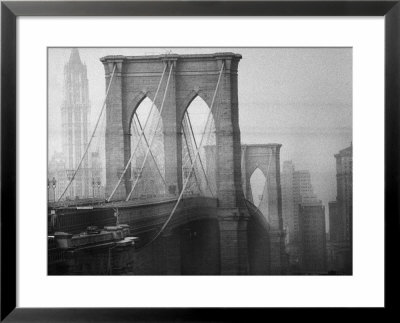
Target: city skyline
<point>307,91</point>
<point>231,174</point>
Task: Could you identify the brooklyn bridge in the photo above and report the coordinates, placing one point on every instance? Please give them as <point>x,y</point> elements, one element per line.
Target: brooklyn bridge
<point>176,201</point>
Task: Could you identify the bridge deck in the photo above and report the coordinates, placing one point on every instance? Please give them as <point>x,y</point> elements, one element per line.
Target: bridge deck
<point>136,213</point>
<point>102,204</point>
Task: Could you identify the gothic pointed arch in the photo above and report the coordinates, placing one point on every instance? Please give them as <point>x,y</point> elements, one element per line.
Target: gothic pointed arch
<point>258,183</point>
<point>131,108</point>
<point>198,148</point>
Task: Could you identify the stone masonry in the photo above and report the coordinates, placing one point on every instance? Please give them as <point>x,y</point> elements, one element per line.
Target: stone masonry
<point>137,77</point>
<point>267,159</point>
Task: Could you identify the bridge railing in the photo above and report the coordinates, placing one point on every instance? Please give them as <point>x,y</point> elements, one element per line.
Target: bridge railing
<point>76,202</point>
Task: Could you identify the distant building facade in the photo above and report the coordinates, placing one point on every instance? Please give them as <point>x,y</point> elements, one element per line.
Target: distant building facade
<point>341,215</point>
<point>313,236</point>
<point>296,189</point>
<point>335,222</point>
<point>344,176</point>
<point>75,111</point>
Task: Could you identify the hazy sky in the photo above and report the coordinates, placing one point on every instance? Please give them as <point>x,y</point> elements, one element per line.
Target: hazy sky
<point>298,97</point>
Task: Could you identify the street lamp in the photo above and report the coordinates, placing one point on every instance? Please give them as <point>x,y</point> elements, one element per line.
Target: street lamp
<point>54,183</point>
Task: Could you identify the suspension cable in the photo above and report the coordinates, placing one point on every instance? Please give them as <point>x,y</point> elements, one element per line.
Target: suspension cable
<point>91,138</point>
<point>190,158</point>
<point>140,138</point>
<point>152,138</point>
<point>186,161</point>
<point>266,179</point>
<point>100,135</point>
<point>195,144</point>
<point>151,153</point>
<point>197,154</point>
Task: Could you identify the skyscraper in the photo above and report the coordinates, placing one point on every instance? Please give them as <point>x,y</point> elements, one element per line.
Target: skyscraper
<point>334,222</point>
<point>344,178</point>
<point>75,110</point>
<point>341,214</point>
<point>296,189</point>
<point>313,238</point>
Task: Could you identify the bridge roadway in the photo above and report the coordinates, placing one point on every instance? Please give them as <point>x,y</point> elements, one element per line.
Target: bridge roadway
<point>190,244</point>
<point>146,218</point>
<point>143,216</point>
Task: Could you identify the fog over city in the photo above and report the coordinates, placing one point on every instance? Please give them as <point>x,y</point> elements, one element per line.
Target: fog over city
<point>298,97</point>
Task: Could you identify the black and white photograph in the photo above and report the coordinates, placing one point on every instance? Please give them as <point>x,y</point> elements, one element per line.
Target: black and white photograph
<point>199,161</point>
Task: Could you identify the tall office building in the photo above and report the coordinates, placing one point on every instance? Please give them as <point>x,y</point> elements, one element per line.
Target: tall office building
<point>313,237</point>
<point>334,222</point>
<point>344,177</point>
<point>75,110</point>
<point>296,188</point>
<point>341,214</point>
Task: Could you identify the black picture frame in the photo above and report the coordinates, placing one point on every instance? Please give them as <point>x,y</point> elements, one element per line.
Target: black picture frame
<point>10,10</point>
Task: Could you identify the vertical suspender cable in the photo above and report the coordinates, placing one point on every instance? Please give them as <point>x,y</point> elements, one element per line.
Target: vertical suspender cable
<point>135,128</point>
<point>190,158</point>
<point>140,138</point>
<point>151,153</point>
<point>152,138</point>
<point>197,154</point>
<point>195,144</point>
<point>91,138</point>
<point>266,179</point>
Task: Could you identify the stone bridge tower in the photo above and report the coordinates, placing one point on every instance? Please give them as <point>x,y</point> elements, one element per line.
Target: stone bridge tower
<point>267,159</point>
<point>137,77</point>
